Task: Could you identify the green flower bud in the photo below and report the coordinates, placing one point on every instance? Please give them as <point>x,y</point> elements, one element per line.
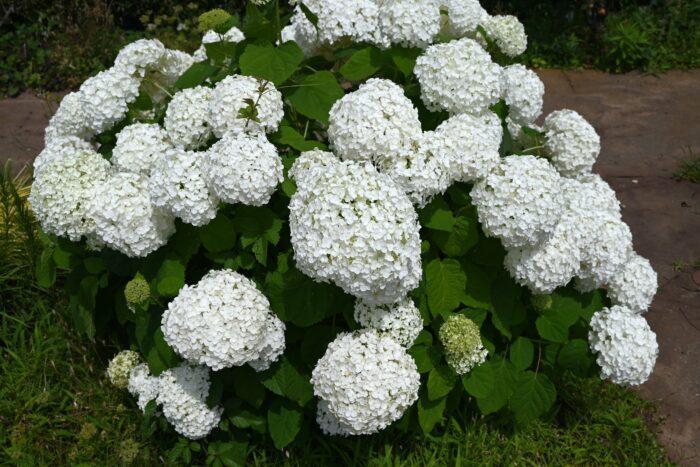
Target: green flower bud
<point>462,341</point>
<point>137,291</point>
<point>541,303</point>
<point>213,20</point>
<point>120,367</point>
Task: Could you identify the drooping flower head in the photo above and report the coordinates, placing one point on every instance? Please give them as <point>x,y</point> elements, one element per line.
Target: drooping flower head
<point>462,341</point>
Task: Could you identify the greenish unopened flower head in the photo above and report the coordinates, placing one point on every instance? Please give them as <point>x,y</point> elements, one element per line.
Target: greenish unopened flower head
<point>462,341</point>
<point>213,20</point>
<point>137,291</point>
<point>120,367</point>
<point>541,302</point>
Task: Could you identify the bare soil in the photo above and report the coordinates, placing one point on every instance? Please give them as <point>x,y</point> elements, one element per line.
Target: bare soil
<point>647,124</point>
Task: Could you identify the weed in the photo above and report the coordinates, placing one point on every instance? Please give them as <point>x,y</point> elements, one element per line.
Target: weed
<point>690,168</point>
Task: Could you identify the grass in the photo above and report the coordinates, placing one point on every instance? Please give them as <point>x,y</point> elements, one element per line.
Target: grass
<point>57,407</point>
<point>690,168</point>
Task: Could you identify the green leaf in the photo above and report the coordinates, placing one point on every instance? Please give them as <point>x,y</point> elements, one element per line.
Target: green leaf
<point>554,324</point>
<point>229,454</point>
<point>533,396</point>
<point>284,422</point>
<point>462,238</point>
<point>275,64</point>
<point>441,380</point>
<point>310,15</point>
<point>46,269</point>
<point>218,235</point>
<point>247,387</point>
<point>430,412</point>
<point>315,342</point>
<point>94,264</point>
<point>195,75</point>
<point>437,215</point>
<point>220,51</point>
<point>426,357</point>
<point>315,95</point>
<point>246,419</point>
<point>286,379</point>
<point>170,277</point>
<point>362,64</point>
<point>445,283</point>
<point>257,222</point>
<point>291,137</point>
<point>506,300</point>
<point>478,290</point>
<point>480,381</point>
<point>522,353</point>
<point>503,387</point>
<point>404,59</point>
<point>575,356</point>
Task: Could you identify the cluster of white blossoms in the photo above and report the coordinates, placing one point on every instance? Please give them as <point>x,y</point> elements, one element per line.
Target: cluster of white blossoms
<point>625,345</point>
<point>401,320</point>
<point>156,173</point>
<point>365,381</point>
<point>409,23</point>
<point>223,321</point>
<point>120,368</point>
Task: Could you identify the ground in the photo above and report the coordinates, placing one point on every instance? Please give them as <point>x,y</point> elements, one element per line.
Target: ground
<point>647,124</point>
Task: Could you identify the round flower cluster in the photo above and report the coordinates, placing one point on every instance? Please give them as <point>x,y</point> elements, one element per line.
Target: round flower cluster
<point>142,385</point>
<point>120,367</point>
<point>354,227</point>
<point>365,381</point>
<point>187,118</point>
<point>458,77</point>
<point>137,292</point>
<point>223,321</point>
<point>523,91</point>
<point>138,146</point>
<point>401,320</point>
<point>462,341</point>
<point>182,393</point>
<point>625,345</point>
<point>634,285</point>
<point>409,23</point>
<point>571,142</point>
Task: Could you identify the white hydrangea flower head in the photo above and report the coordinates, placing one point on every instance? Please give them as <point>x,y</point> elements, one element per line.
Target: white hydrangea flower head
<point>105,98</point>
<point>550,264</point>
<point>303,32</point>
<point>607,250</point>
<point>135,58</point>
<point>143,386</point>
<point>507,32</point>
<point>69,120</point>
<point>410,23</point>
<point>120,367</point>
<point>634,285</point>
<point>125,218</point>
<point>232,35</point>
<point>223,321</point>
<point>235,93</point>
<point>520,202</point>
<point>462,341</point>
<point>401,320</point>
<point>458,77</point>
<point>366,381</point>
<point>469,144</point>
<point>243,168</point>
<point>60,146</point>
<point>177,184</point>
<point>590,195</point>
<point>353,226</point>
<point>357,20</point>
<point>625,345</point>
<point>183,394</point>
<point>61,192</point>
<point>329,423</point>
<point>187,118</point>
<point>138,146</point>
<point>463,16</point>
<point>523,91</point>
<point>421,171</point>
<point>374,123</point>
<point>571,142</point>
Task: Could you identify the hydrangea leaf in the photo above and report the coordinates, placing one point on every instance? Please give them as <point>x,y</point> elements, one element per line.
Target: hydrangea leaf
<point>534,394</point>
<point>457,242</point>
<point>275,64</point>
<point>437,215</point>
<point>246,419</point>
<point>220,51</point>
<point>286,379</point>
<point>291,137</point>
<point>430,412</point>
<point>404,58</point>
<point>503,387</point>
<point>218,235</point>
<point>522,353</point>
<point>575,356</point>
<point>247,387</point>
<point>553,327</point>
<point>195,75</point>
<point>45,270</point>
<point>480,381</point>
<point>445,283</point>
<point>426,357</point>
<point>315,95</point>
<point>362,64</point>
<point>170,277</point>
<point>441,380</point>
<point>478,290</point>
<point>506,300</point>
<point>284,422</point>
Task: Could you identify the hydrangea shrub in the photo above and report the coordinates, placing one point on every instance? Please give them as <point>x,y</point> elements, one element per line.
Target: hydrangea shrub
<point>341,225</point>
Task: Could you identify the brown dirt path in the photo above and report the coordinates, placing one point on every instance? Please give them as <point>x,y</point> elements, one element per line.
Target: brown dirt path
<point>645,123</point>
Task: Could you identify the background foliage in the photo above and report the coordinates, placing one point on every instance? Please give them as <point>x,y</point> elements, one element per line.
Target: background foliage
<point>56,45</point>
